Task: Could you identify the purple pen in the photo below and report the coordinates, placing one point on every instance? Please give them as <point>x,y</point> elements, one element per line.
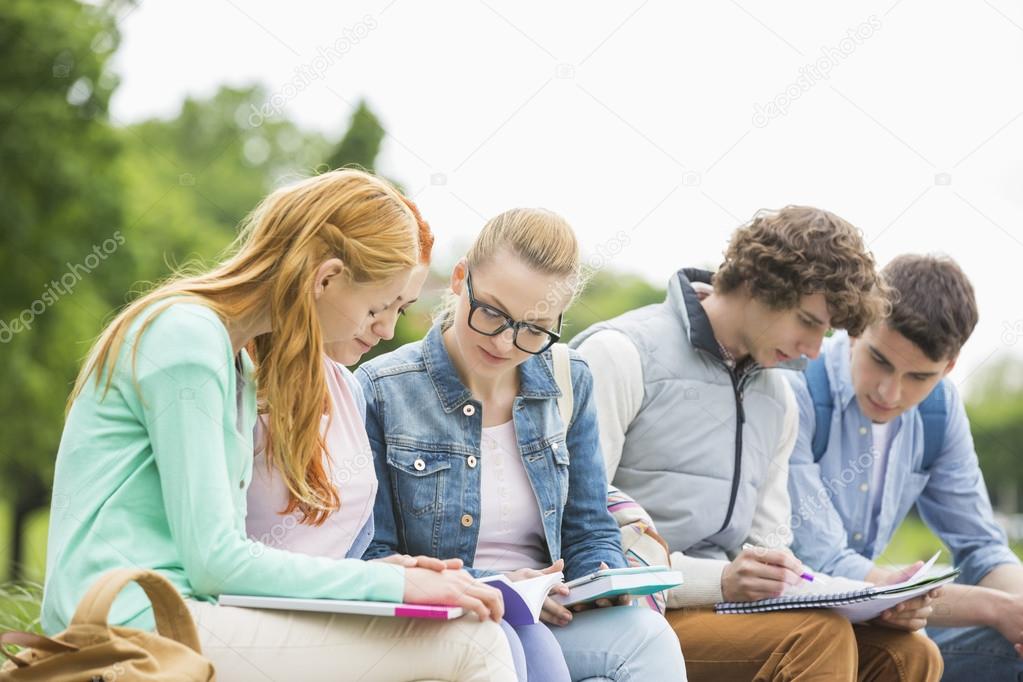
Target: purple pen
<point>806,576</point>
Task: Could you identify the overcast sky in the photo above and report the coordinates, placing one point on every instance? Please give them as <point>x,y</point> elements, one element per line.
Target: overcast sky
<point>669,123</point>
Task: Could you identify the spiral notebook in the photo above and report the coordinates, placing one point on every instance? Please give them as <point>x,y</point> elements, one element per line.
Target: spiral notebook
<point>856,600</point>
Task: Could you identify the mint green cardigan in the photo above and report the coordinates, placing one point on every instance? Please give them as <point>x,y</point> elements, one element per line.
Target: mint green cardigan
<point>154,475</point>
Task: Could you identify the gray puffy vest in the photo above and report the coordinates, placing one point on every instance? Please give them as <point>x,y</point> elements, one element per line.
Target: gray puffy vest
<point>698,451</point>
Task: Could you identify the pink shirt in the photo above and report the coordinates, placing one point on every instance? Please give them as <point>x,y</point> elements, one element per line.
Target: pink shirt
<point>349,465</point>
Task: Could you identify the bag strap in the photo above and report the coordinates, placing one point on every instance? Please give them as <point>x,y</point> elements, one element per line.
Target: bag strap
<point>934,414</point>
<point>172,617</point>
<point>823,404</point>
<point>563,377</point>
<point>31,640</point>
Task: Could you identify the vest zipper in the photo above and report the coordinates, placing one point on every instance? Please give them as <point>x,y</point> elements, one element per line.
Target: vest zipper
<point>740,419</point>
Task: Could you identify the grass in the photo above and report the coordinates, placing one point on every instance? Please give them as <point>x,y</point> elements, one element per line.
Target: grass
<point>19,606</point>
<point>19,601</point>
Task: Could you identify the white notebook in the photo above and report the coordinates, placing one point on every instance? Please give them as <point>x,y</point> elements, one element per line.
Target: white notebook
<point>362,608</point>
<point>857,600</point>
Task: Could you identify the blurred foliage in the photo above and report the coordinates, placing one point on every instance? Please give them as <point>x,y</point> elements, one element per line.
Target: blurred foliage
<point>93,212</point>
<point>60,197</point>
<point>361,144</point>
<point>191,179</point>
<point>995,409</point>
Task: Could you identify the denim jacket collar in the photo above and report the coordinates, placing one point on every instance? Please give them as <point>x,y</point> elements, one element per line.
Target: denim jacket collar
<point>536,380</point>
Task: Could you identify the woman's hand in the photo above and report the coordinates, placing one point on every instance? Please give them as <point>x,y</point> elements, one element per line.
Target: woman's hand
<point>453,588</point>
<point>552,612</point>
<point>421,561</point>
<point>526,573</point>
<point>620,600</point>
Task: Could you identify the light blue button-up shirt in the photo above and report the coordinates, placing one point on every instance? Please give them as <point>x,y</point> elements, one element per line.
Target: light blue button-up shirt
<point>832,512</point>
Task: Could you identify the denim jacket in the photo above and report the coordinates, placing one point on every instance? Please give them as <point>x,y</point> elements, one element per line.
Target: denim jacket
<point>425,429</point>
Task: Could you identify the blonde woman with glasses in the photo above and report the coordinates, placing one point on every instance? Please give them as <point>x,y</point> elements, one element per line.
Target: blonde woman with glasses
<point>476,463</point>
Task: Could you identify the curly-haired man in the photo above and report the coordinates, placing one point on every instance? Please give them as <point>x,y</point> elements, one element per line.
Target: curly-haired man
<point>697,424</point>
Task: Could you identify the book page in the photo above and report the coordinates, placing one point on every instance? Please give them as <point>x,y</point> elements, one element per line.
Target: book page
<point>824,585</point>
<point>523,599</point>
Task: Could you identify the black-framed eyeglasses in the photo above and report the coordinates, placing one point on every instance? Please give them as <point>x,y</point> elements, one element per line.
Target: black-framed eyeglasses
<point>490,321</point>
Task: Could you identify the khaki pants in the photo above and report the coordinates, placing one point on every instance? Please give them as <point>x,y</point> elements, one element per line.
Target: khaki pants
<point>254,644</point>
<point>800,645</point>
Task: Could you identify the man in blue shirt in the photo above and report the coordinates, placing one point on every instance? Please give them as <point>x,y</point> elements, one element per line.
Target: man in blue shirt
<point>881,429</point>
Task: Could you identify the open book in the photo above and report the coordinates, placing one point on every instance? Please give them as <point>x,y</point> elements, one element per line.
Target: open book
<point>857,600</point>
<point>638,580</point>
<point>523,599</point>
<point>364,608</point>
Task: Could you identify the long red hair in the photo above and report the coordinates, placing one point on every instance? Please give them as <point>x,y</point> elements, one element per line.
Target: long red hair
<point>347,214</point>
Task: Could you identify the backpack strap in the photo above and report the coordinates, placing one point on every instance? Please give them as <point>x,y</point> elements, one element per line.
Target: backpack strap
<point>563,377</point>
<point>934,414</point>
<point>823,404</point>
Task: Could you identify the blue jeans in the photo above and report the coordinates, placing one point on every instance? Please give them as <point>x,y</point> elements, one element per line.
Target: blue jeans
<point>977,653</point>
<point>621,644</point>
<point>536,653</point>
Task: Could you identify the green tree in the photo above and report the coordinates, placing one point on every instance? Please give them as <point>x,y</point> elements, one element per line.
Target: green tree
<point>60,217</point>
<point>189,180</point>
<point>609,293</point>
<point>995,408</point>
<point>361,144</point>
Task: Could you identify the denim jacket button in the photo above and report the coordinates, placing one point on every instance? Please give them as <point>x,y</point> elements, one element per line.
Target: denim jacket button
<point>554,446</point>
<point>471,461</point>
<point>469,410</point>
<point>466,520</point>
<point>419,464</point>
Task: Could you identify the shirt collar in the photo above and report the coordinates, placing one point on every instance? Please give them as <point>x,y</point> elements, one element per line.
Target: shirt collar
<point>536,379</point>
<point>837,349</point>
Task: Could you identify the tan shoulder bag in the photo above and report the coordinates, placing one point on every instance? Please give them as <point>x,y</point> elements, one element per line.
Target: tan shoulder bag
<point>90,649</point>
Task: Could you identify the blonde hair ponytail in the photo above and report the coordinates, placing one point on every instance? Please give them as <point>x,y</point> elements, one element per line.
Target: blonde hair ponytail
<point>541,238</point>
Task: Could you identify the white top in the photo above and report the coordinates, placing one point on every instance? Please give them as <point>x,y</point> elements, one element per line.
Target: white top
<point>511,531</point>
<point>618,392</point>
<point>882,443</point>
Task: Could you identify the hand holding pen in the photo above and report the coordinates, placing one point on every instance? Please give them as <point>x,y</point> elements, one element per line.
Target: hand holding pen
<point>760,573</point>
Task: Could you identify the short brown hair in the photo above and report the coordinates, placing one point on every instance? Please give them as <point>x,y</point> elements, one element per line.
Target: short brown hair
<point>783,255</point>
<point>932,303</point>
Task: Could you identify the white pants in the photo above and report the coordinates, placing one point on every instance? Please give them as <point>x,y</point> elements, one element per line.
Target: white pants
<point>262,645</point>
